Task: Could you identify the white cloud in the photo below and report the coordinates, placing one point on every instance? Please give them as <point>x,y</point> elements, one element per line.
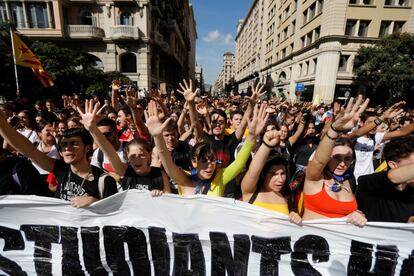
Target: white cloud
<point>217,37</point>
<point>228,39</point>
<point>212,36</point>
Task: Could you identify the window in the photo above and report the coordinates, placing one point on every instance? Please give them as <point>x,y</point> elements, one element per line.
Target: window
<point>17,14</point>
<point>125,18</point>
<point>385,28</point>
<point>315,62</point>
<point>38,15</point>
<point>343,63</point>
<point>320,6</point>
<point>367,2</point>
<point>353,1</point>
<point>86,18</point>
<point>293,26</point>
<point>363,27</point>
<point>3,13</point>
<point>398,25</point>
<point>317,33</point>
<point>350,27</point>
<point>129,63</point>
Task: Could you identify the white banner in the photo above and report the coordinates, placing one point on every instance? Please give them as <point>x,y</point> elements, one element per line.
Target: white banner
<point>132,233</point>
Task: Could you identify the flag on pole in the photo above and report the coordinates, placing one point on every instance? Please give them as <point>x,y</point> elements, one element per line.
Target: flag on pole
<point>25,57</point>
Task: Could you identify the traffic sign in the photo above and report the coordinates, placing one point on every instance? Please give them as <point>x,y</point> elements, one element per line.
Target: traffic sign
<point>300,87</point>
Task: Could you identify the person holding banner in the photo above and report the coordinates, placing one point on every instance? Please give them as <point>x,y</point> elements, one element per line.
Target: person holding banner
<point>78,181</point>
<point>328,190</point>
<point>206,177</point>
<point>264,184</point>
<point>137,173</point>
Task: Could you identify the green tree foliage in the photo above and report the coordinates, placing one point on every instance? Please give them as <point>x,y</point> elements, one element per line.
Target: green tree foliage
<point>71,71</point>
<point>387,68</point>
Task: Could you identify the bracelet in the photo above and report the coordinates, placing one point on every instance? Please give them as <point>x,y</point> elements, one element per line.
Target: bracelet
<point>330,137</point>
<point>267,145</point>
<point>336,130</point>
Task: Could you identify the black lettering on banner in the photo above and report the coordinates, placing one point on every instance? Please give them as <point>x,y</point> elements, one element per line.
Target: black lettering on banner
<point>43,237</point>
<point>91,252</point>
<point>360,261</point>
<point>13,240</point>
<point>114,239</point>
<point>270,249</point>
<point>188,247</point>
<point>222,259</point>
<point>309,244</point>
<point>70,251</point>
<point>408,266</point>
<point>159,250</point>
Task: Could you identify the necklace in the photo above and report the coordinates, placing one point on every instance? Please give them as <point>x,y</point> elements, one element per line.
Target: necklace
<point>337,186</point>
<point>83,178</point>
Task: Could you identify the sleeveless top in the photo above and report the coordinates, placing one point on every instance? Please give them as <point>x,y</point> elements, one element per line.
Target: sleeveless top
<point>278,207</point>
<point>323,204</point>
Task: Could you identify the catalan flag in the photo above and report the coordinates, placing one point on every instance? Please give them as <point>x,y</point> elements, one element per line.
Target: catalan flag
<point>24,57</point>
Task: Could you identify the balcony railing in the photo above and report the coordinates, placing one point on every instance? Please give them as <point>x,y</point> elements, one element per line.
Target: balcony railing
<point>124,32</point>
<point>85,31</point>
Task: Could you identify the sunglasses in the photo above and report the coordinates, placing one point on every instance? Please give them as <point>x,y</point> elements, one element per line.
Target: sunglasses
<point>72,144</point>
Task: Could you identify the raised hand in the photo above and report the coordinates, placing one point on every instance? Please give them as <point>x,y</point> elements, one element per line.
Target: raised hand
<point>154,125</point>
<point>131,98</point>
<point>348,119</point>
<point>187,90</point>
<point>116,84</point>
<point>258,122</point>
<point>256,94</point>
<point>272,138</point>
<point>393,111</point>
<point>202,109</point>
<point>89,117</point>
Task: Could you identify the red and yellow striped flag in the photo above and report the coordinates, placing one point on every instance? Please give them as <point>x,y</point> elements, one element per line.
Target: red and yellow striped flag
<point>25,57</point>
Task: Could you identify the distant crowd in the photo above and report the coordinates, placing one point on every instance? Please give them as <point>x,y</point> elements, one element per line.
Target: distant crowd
<point>303,160</point>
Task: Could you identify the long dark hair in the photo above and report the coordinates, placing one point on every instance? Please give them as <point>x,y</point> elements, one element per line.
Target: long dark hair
<point>285,191</point>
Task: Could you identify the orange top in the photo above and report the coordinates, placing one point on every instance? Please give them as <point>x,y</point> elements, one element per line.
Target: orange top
<point>323,204</point>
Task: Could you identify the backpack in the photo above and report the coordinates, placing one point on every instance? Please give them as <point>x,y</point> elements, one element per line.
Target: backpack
<point>101,184</point>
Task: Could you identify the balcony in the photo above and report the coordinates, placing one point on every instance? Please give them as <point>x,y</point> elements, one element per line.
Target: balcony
<point>124,32</point>
<point>85,31</point>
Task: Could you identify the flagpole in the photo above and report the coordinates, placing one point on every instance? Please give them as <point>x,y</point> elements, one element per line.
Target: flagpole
<point>15,66</point>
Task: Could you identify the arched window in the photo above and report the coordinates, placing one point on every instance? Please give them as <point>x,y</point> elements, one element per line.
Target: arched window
<point>125,18</point>
<point>94,61</point>
<point>129,63</point>
<point>282,77</point>
<point>86,18</point>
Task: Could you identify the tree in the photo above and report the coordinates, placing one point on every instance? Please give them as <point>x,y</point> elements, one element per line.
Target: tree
<point>70,70</point>
<point>387,68</point>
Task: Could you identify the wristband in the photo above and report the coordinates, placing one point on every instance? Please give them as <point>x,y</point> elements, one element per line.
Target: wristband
<point>336,130</point>
<point>267,145</point>
<point>378,121</point>
<point>330,137</point>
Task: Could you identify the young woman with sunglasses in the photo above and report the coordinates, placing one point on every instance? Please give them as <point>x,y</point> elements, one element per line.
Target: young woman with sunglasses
<point>328,188</point>
<point>205,178</point>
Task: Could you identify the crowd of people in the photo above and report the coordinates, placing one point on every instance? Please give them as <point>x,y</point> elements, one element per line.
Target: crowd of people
<point>305,161</point>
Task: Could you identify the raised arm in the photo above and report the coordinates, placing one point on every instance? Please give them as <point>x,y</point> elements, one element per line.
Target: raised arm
<point>181,119</point>
<point>301,127</point>
<point>390,113</point>
<point>256,125</point>
<point>23,145</point>
<point>89,121</point>
<point>346,120</point>
<point>114,95</point>
<point>189,95</point>
<point>253,99</point>
<point>271,139</point>
<point>155,128</point>
<point>137,113</point>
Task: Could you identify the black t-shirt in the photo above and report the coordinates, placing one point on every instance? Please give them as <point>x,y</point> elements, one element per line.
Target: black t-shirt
<point>71,185</point>
<point>18,176</point>
<point>303,151</point>
<point>149,182</point>
<point>224,149</point>
<point>380,201</point>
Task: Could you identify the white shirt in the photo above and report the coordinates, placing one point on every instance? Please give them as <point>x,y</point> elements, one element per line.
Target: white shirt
<point>364,152</point>
<point>106,165</point>
<point>53,153</point>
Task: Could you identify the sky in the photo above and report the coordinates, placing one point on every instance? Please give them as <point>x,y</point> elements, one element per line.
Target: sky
<point>216,28</point>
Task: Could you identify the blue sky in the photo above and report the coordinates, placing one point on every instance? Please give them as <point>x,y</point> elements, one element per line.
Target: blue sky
<point>216,28</point>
